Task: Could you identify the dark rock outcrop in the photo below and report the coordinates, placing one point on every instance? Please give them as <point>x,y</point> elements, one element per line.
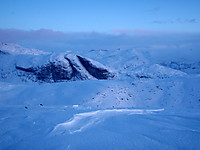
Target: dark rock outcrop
<point>95,71</point>
<point>3,53</point>
<point>68,71</point>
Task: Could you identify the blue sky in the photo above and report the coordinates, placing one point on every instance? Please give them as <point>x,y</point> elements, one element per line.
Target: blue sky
<point>101,15</point>
<point>59,25</point>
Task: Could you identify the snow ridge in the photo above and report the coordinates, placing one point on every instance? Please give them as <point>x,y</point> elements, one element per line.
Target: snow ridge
<point>82,121</point>
<point>17,49</point>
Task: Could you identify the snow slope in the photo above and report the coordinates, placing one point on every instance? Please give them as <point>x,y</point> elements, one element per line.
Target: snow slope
<point>18,49</point>
<point>145,106</point>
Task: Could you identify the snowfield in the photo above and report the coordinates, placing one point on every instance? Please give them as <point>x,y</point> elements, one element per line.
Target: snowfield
<point>146,105</point>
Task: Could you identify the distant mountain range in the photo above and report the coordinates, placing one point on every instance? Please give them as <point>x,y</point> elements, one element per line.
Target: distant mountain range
<point>24,64</point>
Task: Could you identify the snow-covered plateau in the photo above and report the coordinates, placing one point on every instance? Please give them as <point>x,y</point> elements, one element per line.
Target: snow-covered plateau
<point>97,100</point>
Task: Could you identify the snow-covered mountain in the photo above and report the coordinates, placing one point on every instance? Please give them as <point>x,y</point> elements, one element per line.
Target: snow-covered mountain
<point>18,63</point>
<point>143,105</point>
<point>190,68</point>
<point>18,49</point>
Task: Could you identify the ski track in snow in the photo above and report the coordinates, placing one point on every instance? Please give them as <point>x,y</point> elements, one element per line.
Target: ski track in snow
<point>82,121</point>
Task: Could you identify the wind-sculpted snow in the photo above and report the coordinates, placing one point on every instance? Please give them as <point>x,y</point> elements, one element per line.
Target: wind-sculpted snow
<point>31,128</point>
<point>85,120</point>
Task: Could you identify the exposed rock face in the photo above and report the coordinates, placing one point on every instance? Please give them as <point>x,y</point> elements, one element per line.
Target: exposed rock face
<point>95,71</point>
<point>3,53</point>
<point>47,73</point>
